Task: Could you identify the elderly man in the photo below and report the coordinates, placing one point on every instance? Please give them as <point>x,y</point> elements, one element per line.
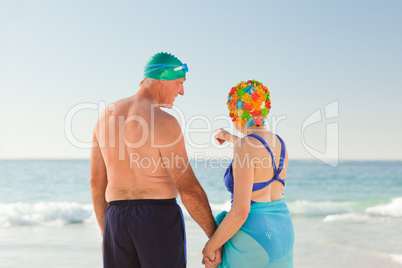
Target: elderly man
<point>139,165</point>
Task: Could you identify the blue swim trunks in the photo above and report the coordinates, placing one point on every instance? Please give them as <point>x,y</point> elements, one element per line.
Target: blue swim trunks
<point>147,233</point>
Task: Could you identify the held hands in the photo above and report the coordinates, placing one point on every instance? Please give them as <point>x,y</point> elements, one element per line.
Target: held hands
<point>223,136</point>
<point>211,257</point>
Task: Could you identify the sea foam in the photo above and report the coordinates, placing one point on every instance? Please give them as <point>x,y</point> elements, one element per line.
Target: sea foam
<point>319,208</point>
<point>45,213</point>
<point>350,217</point>
<point>393,209</point>
<point>378,212</point>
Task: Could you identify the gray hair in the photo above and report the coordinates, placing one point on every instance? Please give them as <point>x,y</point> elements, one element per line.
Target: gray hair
<point>147,81</point>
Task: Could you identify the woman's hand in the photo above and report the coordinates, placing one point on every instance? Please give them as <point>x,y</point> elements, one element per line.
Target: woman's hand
<point>223,136</point>
<point>208,252</point>
<point>211,257</point>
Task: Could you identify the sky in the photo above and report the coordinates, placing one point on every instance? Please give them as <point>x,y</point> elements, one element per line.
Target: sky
<point>333,69</point>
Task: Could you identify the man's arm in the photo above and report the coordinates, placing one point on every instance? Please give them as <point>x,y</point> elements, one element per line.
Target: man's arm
<point>175,159</point>
<point>98,183</point>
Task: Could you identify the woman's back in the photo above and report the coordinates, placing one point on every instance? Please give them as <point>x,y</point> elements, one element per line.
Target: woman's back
<point>264,171</point>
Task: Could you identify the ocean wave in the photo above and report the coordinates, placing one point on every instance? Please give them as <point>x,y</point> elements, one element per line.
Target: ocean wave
<point>393,209</point>
<point>45,214</point>
<point>320,208</point>
<point>389,210</point>
<point>350,217</point>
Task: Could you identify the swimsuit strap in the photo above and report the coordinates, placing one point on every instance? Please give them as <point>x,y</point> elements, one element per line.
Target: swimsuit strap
<point>283,155</point>
<point>261,185</point>
<point>267,147</point>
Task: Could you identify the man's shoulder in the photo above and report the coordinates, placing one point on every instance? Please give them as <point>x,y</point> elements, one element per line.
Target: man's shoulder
<point>167,128</point>
<point>165,120</point>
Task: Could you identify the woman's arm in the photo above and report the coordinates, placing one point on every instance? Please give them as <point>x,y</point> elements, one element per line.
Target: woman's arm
<point>222,136</point>
<point>243,173</point>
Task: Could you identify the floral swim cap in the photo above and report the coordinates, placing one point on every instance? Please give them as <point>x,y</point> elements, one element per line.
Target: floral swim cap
<point>249,103</point>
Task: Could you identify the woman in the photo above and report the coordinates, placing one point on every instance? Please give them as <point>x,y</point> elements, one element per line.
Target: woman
<point>258,230</point>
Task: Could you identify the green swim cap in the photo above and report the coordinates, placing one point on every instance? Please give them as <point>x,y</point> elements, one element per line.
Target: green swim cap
<point>165,66</point>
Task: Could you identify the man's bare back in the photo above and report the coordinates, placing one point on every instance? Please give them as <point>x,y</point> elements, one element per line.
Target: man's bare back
<point>139,172</point>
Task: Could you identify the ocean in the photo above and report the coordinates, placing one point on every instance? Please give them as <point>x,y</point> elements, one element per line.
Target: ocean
<point>344,216</point>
